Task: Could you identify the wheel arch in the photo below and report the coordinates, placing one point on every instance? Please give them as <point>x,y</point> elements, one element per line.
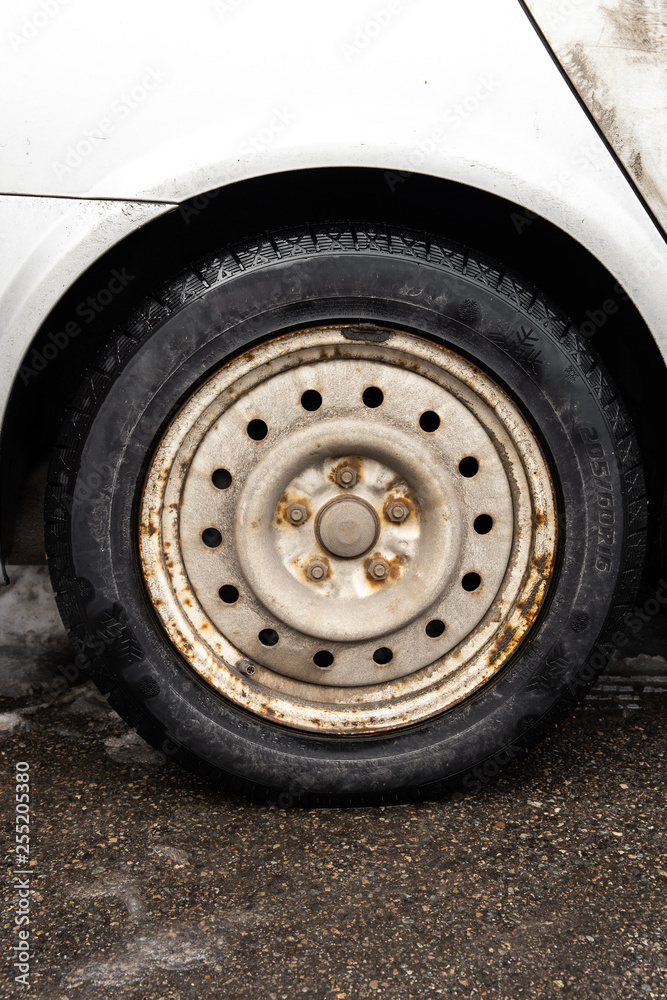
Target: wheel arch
<point>528,243</point>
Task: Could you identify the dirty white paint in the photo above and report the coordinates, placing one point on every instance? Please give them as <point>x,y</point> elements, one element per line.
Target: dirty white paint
<point>441,88</point>
<point>615,53</point>
<point>47,244</point>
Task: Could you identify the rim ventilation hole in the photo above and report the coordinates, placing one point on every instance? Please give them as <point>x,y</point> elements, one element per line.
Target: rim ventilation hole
<point>383,655</point>
<point>211,537</point>
<point>222,479</point>
<point>468,467</point>
<point>429,421</point>
<point>257,430</point>
<point>268,637</point>
<point>228,594</point>
<point>483,524</point>
<point>372,397</point>
<point>311,400</point>
<point>471,581</point>
<point>435,628</point>
<point>323,659</point>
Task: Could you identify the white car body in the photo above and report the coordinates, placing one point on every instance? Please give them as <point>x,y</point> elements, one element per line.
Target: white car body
<point>120,114</point>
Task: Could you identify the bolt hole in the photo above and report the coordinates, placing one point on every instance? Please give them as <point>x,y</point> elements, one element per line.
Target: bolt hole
<point>383,655</point>
<point>373,397</point>
<point>323,659</point>
<point>471,581</point>
<point>468,467</point>
<point>222,479</point>
<point>435,628</point>
<point>483,524</point>
<point>257,430</point>
<point>268,637</point>
<point>211,537</point>
<point>311,400</point>
<point>228,594</point>
<point>429,421</point>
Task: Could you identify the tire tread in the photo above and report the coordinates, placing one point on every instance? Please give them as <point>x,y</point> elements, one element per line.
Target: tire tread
<point>194,280</point>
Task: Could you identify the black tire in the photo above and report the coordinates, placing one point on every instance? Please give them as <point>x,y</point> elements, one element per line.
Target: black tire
<point>214,309</point>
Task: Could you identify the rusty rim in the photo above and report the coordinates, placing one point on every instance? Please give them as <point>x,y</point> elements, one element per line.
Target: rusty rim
<point>346,536</point>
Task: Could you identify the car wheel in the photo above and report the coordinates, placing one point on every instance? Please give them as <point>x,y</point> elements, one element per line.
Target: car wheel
<point>344,515</point>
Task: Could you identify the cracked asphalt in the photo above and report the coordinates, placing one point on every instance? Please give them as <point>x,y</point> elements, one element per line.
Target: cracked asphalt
<point>149,884</point>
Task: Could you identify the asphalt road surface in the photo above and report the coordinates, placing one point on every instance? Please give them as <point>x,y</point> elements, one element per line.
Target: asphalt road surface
<point>147,883</point>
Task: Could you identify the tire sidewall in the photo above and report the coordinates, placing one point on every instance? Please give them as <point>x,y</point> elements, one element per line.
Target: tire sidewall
<point>175,708</point>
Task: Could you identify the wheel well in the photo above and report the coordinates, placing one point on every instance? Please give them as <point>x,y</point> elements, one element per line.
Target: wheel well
<point>534,247</point>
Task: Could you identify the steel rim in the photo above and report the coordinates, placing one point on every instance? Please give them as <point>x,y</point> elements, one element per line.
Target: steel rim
<point>344,536</point>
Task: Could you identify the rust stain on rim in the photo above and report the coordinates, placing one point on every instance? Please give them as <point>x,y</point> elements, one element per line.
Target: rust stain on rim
<point>391,706</point>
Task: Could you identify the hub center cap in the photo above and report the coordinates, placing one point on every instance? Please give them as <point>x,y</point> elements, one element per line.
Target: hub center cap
<point>347,527</point>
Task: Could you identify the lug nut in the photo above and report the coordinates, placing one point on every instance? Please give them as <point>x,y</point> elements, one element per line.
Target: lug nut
<point>297,513</point>
<point>397,512</point>
<point>317,570</point>
<point>378,569</point>
<point>346,476</point>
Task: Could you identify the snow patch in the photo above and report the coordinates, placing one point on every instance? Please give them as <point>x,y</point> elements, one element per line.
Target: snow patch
<point>9,721</point>
<point>32,636</point>
<point>130,748</point>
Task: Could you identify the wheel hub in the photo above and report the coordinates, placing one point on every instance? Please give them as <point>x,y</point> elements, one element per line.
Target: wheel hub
<point>347,527</point>
<point>346,536</point>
